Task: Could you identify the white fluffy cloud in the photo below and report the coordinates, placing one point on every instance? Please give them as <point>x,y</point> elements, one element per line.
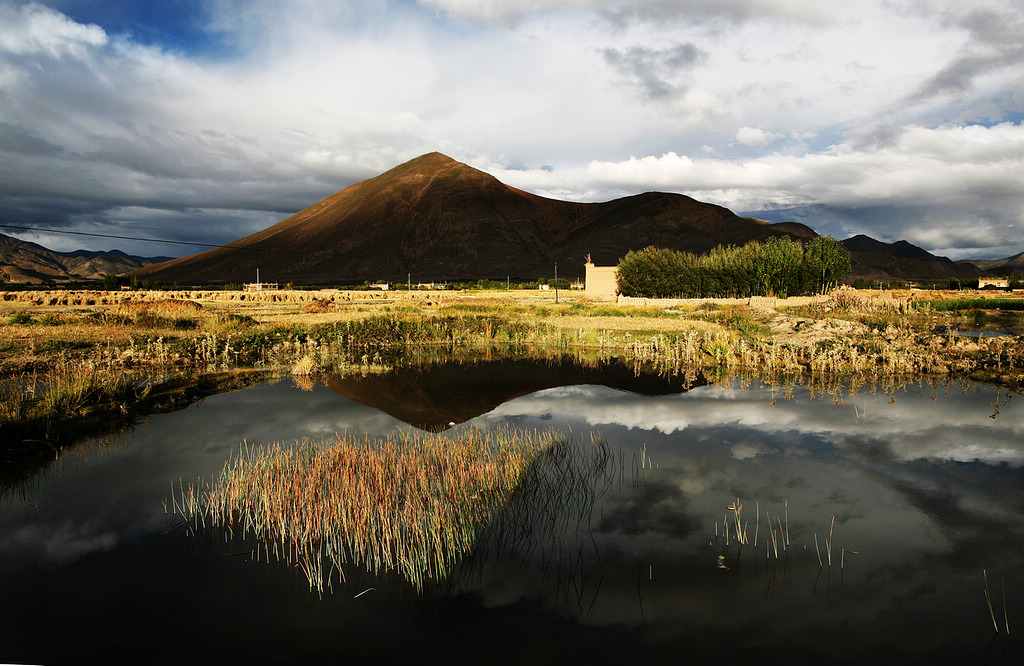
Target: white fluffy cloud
<point>753,136</point>
<point>37,30</point>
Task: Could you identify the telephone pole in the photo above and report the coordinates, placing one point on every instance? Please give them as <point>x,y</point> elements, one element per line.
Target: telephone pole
<point>556,282</point>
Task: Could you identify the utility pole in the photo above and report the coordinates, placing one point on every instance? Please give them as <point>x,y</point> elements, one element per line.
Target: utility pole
<point>556,282</point>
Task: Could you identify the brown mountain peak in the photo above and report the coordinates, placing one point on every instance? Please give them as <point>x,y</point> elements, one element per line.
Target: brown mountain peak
<point>434,218</point>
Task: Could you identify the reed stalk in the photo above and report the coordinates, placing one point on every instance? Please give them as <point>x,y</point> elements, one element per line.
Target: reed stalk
<point>1006,619</point>
<point>988,600</point>
<point>413,503</point>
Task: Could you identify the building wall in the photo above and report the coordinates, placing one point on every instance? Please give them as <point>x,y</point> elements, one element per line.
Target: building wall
<point>1003,283</point>
<point>601,282</point>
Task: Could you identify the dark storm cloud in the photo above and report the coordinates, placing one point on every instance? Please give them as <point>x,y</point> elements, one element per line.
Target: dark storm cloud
<point>654,70</point>
<point>996,42</point>
<point>19,141</point>
<point>45,211</point>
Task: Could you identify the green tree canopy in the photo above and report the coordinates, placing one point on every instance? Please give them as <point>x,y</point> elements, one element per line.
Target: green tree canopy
<point>780,267</point>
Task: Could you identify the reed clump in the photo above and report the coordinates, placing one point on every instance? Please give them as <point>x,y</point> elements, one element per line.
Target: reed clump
<point>66,391</point>
<point>412,503</point>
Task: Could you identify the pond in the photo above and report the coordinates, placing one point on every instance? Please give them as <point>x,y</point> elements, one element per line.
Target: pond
<point>916,494</point>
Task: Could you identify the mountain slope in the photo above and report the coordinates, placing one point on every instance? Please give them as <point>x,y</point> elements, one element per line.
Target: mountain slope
<point>874,260</point>
<point>1004,266</point>
<point>436,219</point>
<point>34,264</point>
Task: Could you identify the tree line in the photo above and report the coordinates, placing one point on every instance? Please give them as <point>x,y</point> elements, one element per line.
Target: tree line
<point>778,267</point>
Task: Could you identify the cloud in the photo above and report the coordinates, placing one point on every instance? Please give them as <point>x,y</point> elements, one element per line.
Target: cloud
<point>36,30</point>
<point>512,10</point>
<point>923,184</point>
<point>753,136</point>
<point>995,42</point>
<point>911,426</point>
<point>653,69</point>
<point>759,105</point>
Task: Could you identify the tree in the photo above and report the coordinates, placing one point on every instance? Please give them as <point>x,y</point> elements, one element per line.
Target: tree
<point>826,264</point>
<point>779,267</point>
<point>652,273</point>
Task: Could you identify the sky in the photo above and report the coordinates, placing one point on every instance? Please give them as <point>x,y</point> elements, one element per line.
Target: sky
<point>203,122</point>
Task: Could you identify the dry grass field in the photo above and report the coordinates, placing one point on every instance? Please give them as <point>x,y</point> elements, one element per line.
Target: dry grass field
<point>36,325</point>
<point>111,352</point>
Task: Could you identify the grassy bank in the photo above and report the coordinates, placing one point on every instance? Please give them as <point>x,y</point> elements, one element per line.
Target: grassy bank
<point>64,361</point>
<point>42,412</point>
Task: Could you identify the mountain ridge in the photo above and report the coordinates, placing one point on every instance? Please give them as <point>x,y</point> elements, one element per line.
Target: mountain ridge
<point>873,259</point>
<point>28,262</point>
<point>1004,266</point>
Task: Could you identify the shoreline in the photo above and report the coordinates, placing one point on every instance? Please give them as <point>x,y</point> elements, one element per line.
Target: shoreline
<point>82,343</point>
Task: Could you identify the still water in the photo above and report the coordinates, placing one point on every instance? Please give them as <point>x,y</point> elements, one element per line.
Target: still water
<point>914,493</point>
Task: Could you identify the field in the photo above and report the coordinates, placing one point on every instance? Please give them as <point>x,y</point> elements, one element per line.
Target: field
<point>82,359</point>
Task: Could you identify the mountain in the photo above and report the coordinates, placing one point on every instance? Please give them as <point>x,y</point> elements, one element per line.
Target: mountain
<point>27,262</point>
<point>1004,266</point>
<point>436,219</point>
<point>874,260</point>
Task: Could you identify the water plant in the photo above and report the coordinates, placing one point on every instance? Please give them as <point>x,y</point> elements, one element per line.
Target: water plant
<point>412,503</point>
<point>304,367</point>
<point>777,541</point>
<point>991,610</point>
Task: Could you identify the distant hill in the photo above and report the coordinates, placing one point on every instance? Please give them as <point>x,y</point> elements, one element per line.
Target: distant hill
<point>874,260</point>
<point>31,263</point>
<point>438,219</point>
<point>1004,266</point>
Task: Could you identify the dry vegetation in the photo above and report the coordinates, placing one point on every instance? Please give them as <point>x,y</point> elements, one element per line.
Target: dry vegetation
<point>148,340</point>
<point>412,503</point>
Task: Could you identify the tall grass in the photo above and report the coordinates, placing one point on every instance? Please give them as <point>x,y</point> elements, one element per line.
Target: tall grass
<point>411,503</point>
<point>67,391</point>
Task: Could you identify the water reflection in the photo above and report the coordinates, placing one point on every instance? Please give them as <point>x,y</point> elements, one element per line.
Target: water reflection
<point>927,489</point>
<point>996,332</point>
<point>923,483</point>
<point>436,396</point>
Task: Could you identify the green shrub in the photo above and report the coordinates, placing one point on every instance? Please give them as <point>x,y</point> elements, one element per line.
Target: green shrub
<point>778,267</point>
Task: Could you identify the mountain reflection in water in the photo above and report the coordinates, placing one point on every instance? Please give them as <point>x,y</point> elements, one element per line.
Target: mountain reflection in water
<point>436,396</point>
<point>917,490</point>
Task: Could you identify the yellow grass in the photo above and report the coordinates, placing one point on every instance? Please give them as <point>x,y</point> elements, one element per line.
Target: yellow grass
<point>847,331</point>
